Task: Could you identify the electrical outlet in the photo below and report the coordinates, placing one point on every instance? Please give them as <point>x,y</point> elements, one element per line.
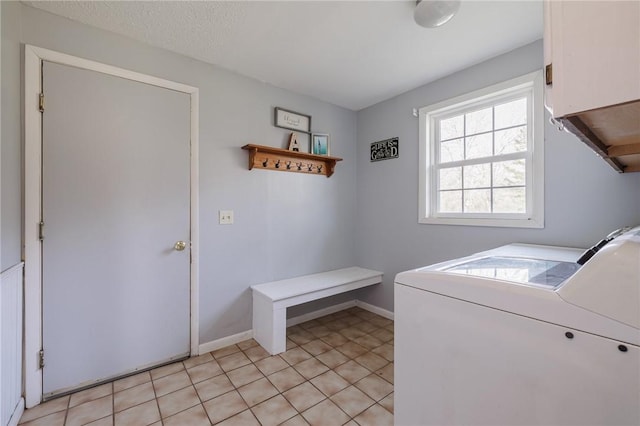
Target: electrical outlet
<point>225,217</point>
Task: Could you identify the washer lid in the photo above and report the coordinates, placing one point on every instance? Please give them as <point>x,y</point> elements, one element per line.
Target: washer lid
<point>534,272</point>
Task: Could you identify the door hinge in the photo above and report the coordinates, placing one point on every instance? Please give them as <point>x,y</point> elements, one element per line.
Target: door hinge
<point>548,74</point>
<point>41,103</point>
<point>41,231</point>
<point>41,354</point>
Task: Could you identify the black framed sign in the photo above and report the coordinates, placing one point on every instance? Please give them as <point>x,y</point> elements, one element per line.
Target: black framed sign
<point>292,120</point>
<point>385,150</point>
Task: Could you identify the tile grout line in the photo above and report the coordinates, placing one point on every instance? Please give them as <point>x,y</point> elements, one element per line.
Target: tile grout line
<point>311,383</point>
<point>153,386</point>
<point>113,404</point>
<point>197,394</point>
<point>177,390</point>
<point>236,388</point>
<point>279,392</point>
<point>298,413</point>
<point>330,369</point>
<point>196,391</point>
<point>241,396</point>
<point>66,413</point>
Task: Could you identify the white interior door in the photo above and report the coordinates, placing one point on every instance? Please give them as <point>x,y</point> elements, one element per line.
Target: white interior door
<point>115,200</point>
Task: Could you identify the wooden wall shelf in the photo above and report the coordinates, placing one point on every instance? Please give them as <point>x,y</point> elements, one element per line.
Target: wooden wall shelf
<point>270,158</point>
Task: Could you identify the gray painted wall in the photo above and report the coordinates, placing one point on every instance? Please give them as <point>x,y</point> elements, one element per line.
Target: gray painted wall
<point>286,224</point>
<point>11,167</point>
<point>584,198</point>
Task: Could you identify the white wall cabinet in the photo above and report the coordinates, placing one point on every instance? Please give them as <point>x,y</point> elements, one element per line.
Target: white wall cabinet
<point>593,48</point>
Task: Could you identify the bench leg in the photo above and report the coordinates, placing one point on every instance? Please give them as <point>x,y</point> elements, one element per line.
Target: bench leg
<point>269,325</point>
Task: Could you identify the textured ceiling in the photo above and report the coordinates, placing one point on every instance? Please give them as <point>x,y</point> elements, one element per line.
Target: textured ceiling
<point>349,53</point>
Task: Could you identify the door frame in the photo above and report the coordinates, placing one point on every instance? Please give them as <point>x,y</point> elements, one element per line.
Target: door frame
<point>33,58</point>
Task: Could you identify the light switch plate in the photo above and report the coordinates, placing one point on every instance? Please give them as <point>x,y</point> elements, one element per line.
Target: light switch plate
<point>225,217</point>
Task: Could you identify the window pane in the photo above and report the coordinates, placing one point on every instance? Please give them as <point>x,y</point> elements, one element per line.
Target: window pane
<point>450,202</point>
<point>509,200</point>
<point>451,151</point>
<point>477,176</point>
<point>477,201</point>
<point>509,173</point>
<point>479,121</point>
<point>511,114</point>
<point>479,146</point>
<point>452,128</point>
<point>512,140</point>
<point>451,178</point>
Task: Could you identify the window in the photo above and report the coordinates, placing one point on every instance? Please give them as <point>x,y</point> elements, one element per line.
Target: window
<point>481,157</point>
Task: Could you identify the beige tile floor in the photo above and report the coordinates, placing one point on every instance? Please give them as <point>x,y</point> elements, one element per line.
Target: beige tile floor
<point>337,370</point>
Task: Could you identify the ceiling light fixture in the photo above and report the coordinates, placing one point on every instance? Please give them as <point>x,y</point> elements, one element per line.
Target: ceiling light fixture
<point>433,13</point>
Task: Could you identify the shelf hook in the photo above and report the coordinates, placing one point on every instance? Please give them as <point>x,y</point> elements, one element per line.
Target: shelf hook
<point>265,162</point>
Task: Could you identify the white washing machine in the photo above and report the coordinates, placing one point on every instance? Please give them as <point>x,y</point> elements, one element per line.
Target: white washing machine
<point>521,335</point>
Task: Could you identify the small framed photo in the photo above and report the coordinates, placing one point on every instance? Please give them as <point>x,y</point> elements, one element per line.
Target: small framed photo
<point>320,144</point>
<point>292,120</point>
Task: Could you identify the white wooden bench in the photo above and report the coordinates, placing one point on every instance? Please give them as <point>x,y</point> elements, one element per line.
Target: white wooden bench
<point>271,300</point>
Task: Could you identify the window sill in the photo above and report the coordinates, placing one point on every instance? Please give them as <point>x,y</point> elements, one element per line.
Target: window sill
<point>500,223</point>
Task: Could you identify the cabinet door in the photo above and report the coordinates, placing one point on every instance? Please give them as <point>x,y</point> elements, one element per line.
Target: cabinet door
<point>595,50</point>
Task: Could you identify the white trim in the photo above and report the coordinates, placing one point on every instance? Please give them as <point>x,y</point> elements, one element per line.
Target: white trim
<point>375,309</point>
<point>532,83</point>
<point>195,224</point>
<point>73,61</point>
<point>33,126</point>
<point>320,313</point>
<point>337,308</point>
<point>225,341</point>
<point>32,191</point>
<point>11,358</point>
<point>17,413</point>
<point>12,269</point>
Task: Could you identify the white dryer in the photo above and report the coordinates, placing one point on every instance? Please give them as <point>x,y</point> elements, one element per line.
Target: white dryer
<point>521,334</point>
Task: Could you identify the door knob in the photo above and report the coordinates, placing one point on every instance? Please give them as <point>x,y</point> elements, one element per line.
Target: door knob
<point>180,245</point>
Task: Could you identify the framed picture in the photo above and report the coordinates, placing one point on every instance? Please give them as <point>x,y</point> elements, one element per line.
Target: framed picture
<point>292,120</point>
<point>320,144</point>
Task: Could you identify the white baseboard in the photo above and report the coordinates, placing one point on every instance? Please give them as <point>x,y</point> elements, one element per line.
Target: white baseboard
<point>376,310</point>
<point>337,308</point>
<point>225,341</point>
<point>320,313</point>
<point>17,413</point>
<point>245,335</point>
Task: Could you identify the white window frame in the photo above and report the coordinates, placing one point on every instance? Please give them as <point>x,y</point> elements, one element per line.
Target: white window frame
<point>529,84</point>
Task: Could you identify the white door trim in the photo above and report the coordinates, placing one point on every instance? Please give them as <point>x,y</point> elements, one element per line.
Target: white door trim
<point>33,57</point>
